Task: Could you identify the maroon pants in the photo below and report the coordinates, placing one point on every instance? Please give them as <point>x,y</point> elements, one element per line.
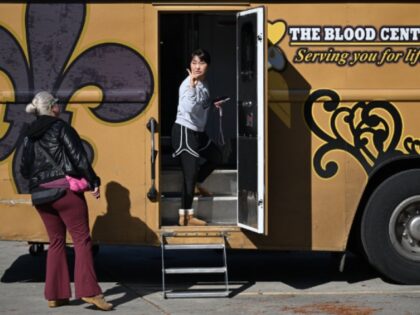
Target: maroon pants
<point>69,212</point>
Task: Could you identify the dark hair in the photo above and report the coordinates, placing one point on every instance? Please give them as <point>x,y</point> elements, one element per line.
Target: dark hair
<point>202,55</point>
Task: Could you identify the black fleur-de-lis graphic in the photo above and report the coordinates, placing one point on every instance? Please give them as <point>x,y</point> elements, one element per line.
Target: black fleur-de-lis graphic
<point>52,33</point>
<point>374,138</point>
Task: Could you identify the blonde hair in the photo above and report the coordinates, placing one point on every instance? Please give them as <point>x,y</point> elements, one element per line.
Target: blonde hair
<point>41,104</point>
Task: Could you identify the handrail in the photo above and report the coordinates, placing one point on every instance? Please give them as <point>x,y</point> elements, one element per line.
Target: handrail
<point>152,193</point>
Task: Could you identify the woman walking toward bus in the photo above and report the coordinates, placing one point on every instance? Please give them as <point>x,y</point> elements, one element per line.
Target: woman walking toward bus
<point>52,150</point>
<point>189,140</point>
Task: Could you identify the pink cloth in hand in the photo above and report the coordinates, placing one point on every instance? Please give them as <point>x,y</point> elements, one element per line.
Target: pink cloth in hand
<point>77,184</point>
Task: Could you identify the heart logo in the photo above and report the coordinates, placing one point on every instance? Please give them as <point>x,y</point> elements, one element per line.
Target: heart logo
<point>276,31</point>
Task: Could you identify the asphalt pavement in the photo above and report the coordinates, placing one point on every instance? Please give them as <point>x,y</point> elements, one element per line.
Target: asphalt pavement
<point>261,282</point>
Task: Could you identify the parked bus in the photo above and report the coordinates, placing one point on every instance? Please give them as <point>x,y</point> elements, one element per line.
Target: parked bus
<point>320,139</point>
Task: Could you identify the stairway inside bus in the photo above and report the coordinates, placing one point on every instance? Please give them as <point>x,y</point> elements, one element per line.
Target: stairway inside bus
<point>215,32</point>
<point>218,209</point>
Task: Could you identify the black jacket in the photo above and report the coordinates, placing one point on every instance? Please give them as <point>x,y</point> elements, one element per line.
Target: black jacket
<point>64,146</point>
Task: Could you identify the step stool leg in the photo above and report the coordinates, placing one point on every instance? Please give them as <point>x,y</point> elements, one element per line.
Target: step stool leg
<point>225,265</point>
<point>162,240</point>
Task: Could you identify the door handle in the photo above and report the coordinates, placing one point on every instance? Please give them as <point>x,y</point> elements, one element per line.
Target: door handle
<point>247,104</point>
<point>152,194</point>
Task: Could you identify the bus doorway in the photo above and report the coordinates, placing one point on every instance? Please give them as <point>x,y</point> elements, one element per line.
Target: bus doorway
<point>236,42</point>
<point>180,34</point>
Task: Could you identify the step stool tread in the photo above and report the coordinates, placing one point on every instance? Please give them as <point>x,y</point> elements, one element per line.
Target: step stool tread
<point>195,270</point>
<point>193,246</point>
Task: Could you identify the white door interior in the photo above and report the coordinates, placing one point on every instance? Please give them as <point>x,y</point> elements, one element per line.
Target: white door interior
<point>251,69</point>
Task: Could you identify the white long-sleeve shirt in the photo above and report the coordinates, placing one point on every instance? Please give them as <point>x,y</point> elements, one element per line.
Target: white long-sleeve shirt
<point>193,105</point>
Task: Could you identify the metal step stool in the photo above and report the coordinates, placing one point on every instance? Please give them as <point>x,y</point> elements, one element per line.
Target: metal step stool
<point>194,270</point>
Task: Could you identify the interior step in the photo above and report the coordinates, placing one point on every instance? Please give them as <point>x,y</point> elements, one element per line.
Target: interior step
<point>220,182</point>
<point>218,210</point>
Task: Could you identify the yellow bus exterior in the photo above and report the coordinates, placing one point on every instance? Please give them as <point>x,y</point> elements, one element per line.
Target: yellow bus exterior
<point>342,88</point>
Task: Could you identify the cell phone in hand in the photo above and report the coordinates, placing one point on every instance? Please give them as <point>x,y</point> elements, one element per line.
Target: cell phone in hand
<point>222,99</point>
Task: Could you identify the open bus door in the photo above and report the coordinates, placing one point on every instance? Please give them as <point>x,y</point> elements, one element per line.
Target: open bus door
<point>251,96</point>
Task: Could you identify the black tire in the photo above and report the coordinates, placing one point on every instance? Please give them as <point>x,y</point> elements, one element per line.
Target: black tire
<point>384,249</point>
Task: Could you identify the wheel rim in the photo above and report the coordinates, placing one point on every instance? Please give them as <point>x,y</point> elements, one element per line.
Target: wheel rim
<point>404,228</point>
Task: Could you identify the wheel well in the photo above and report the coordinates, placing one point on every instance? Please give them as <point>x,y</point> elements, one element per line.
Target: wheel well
<point>378,175</point>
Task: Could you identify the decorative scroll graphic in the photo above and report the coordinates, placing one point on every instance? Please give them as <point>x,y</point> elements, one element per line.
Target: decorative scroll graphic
<point>52,32</point>
<point>375,130</point>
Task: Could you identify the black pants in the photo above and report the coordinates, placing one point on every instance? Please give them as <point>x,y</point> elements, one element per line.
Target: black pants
<point>190,146</point>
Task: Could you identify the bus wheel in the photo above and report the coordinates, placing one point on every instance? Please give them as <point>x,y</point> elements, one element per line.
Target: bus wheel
<point>36,249</point>
<point>391,227</point>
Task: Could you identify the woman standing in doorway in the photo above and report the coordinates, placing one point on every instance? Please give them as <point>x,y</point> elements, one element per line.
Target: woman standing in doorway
<point>189,140</point>
<point>53,149</point>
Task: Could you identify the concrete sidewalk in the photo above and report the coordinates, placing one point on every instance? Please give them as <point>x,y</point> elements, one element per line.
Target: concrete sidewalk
<point>261,282</point>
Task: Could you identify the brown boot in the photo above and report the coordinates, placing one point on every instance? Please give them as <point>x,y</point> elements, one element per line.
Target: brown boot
<point>201,191</point>
<point>182,221</point>
<point>192,220</point>
<point>99,302</point>
<point>57,303</point>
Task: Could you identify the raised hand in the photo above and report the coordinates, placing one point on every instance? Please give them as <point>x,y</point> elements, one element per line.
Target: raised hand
<point>193,78</point>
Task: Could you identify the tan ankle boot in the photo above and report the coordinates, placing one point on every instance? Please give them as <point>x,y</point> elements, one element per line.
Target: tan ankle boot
<point>195,221</point>
<point>57,303</point>
<point>203,192</point>
<point>182,221</point>
<point>99,302</point>
<point>192,220</point>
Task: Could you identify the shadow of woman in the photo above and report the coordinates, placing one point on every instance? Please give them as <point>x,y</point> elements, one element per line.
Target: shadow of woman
<point>117,225</point>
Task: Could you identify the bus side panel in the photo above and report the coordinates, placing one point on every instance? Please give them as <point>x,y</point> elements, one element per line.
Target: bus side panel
<point>317,167</point>
<point>105,85</point>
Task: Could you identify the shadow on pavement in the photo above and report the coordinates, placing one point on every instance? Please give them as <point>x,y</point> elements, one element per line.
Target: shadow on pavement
<point>141,267</point>
<point>299,270</point>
